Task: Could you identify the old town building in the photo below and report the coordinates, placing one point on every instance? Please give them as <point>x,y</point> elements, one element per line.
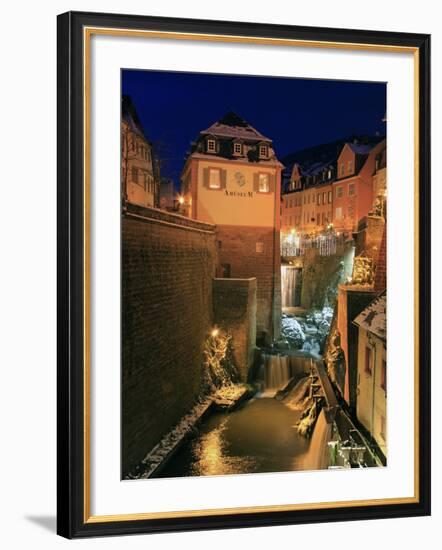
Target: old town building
<point>336,191</point>
<point>307,202</point>
<point>372,370</point>
<point>232,179</point>
<point>140,178</point>
<point>353,190</point>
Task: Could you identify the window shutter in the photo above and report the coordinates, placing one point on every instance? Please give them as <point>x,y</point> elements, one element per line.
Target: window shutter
<point>272,181</point>
<point>223,178</point>
<point>256,183</point>
<point>206,177</point>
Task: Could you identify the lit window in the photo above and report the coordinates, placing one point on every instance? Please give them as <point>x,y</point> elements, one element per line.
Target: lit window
<point>214,178</point>
<point>237,148</point>
<point>329,196</point>
<point>351,189</point>
<point>264,183</point>
<point>263,151</point>
<point>338,213</point>
<point>319,198</point>
<point>368,360</point>
<point>342,169</point>
<point>324,198</point>
<point>338,192</point>
<point>211,146</point>
<point>329,174</point>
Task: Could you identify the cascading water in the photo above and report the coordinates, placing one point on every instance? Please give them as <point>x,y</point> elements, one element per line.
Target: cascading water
<point>274,372</point>
<point>297,397</point>
<point>318,457</point>
<point>290,286</point>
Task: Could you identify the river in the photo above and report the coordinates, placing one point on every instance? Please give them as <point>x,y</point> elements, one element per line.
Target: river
<point>259,437</point>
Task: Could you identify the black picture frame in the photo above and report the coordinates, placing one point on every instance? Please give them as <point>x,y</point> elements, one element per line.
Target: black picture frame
<point>71,508</point>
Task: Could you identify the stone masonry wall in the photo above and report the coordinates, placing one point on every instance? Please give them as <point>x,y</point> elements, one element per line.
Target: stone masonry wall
<point>255,252</point>
<point>234,309</point>
<point>168,263</point>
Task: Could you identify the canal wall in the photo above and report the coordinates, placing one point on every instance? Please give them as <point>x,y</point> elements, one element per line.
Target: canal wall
<point>245,252</point>
<point>168,263</point>
<point>234,309</point>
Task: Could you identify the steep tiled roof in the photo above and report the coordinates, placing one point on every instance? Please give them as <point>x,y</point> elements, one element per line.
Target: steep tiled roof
<point>233,126</point>
<point>130,116</point>
<point>360,149</point>
<point>374,317</point>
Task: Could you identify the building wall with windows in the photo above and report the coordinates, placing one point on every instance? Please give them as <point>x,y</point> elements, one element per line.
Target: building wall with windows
<point>139,186</point>
<point>307,204</point>
<point>232,179</point>
<point>371,407</point>
<point>339,192</point>
<point>353,191</point>
<point>140,177</point>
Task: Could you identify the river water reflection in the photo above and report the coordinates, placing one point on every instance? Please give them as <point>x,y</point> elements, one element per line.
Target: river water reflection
<point>259,437</point>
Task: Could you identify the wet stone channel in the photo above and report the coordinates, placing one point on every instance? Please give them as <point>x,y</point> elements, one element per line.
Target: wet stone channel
<point>259,437</point>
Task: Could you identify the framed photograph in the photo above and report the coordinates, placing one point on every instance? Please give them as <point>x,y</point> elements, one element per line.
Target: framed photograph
<point>225,273</point>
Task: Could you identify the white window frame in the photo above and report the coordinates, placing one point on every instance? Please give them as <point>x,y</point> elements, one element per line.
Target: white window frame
<point>235,146</point>
<point>211,146</point>
<point>263,151</point>
<point>339,192</point>
<point>351,186</point>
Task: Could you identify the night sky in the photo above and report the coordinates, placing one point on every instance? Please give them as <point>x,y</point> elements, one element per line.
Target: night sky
<point>296,113</point>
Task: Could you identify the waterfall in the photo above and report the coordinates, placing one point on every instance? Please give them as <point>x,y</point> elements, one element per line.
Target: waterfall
<point>317,457</point>
<point>275,371</point>
<point>297,397</point>
<point>290,286</point>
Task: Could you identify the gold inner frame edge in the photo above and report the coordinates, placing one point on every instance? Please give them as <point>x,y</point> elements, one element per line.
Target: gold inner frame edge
<point>87,34</point>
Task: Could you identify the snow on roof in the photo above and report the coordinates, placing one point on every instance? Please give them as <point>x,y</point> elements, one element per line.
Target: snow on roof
<point>317,168</point>
<point>374,317</point>
<point>233,126</point>
<point>360,149</point>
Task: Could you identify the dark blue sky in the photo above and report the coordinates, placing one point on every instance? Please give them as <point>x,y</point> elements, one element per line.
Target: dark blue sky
<point>296,113</point>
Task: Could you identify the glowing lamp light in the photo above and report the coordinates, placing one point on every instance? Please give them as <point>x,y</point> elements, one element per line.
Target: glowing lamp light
<point>214,332</point>
<point>181,200</point>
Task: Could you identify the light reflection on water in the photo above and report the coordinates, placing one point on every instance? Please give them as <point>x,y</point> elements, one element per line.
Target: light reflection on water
<point>260,437</point>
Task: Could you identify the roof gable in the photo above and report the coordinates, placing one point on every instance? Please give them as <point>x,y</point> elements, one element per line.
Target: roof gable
<point>233,126</point>
<point>374,317</point>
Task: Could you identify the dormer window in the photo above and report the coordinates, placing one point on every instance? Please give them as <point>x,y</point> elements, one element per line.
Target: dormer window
<point>350,166</point>
<point>263,151</point>
<point>237,148</point>
<point>211,146</point>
